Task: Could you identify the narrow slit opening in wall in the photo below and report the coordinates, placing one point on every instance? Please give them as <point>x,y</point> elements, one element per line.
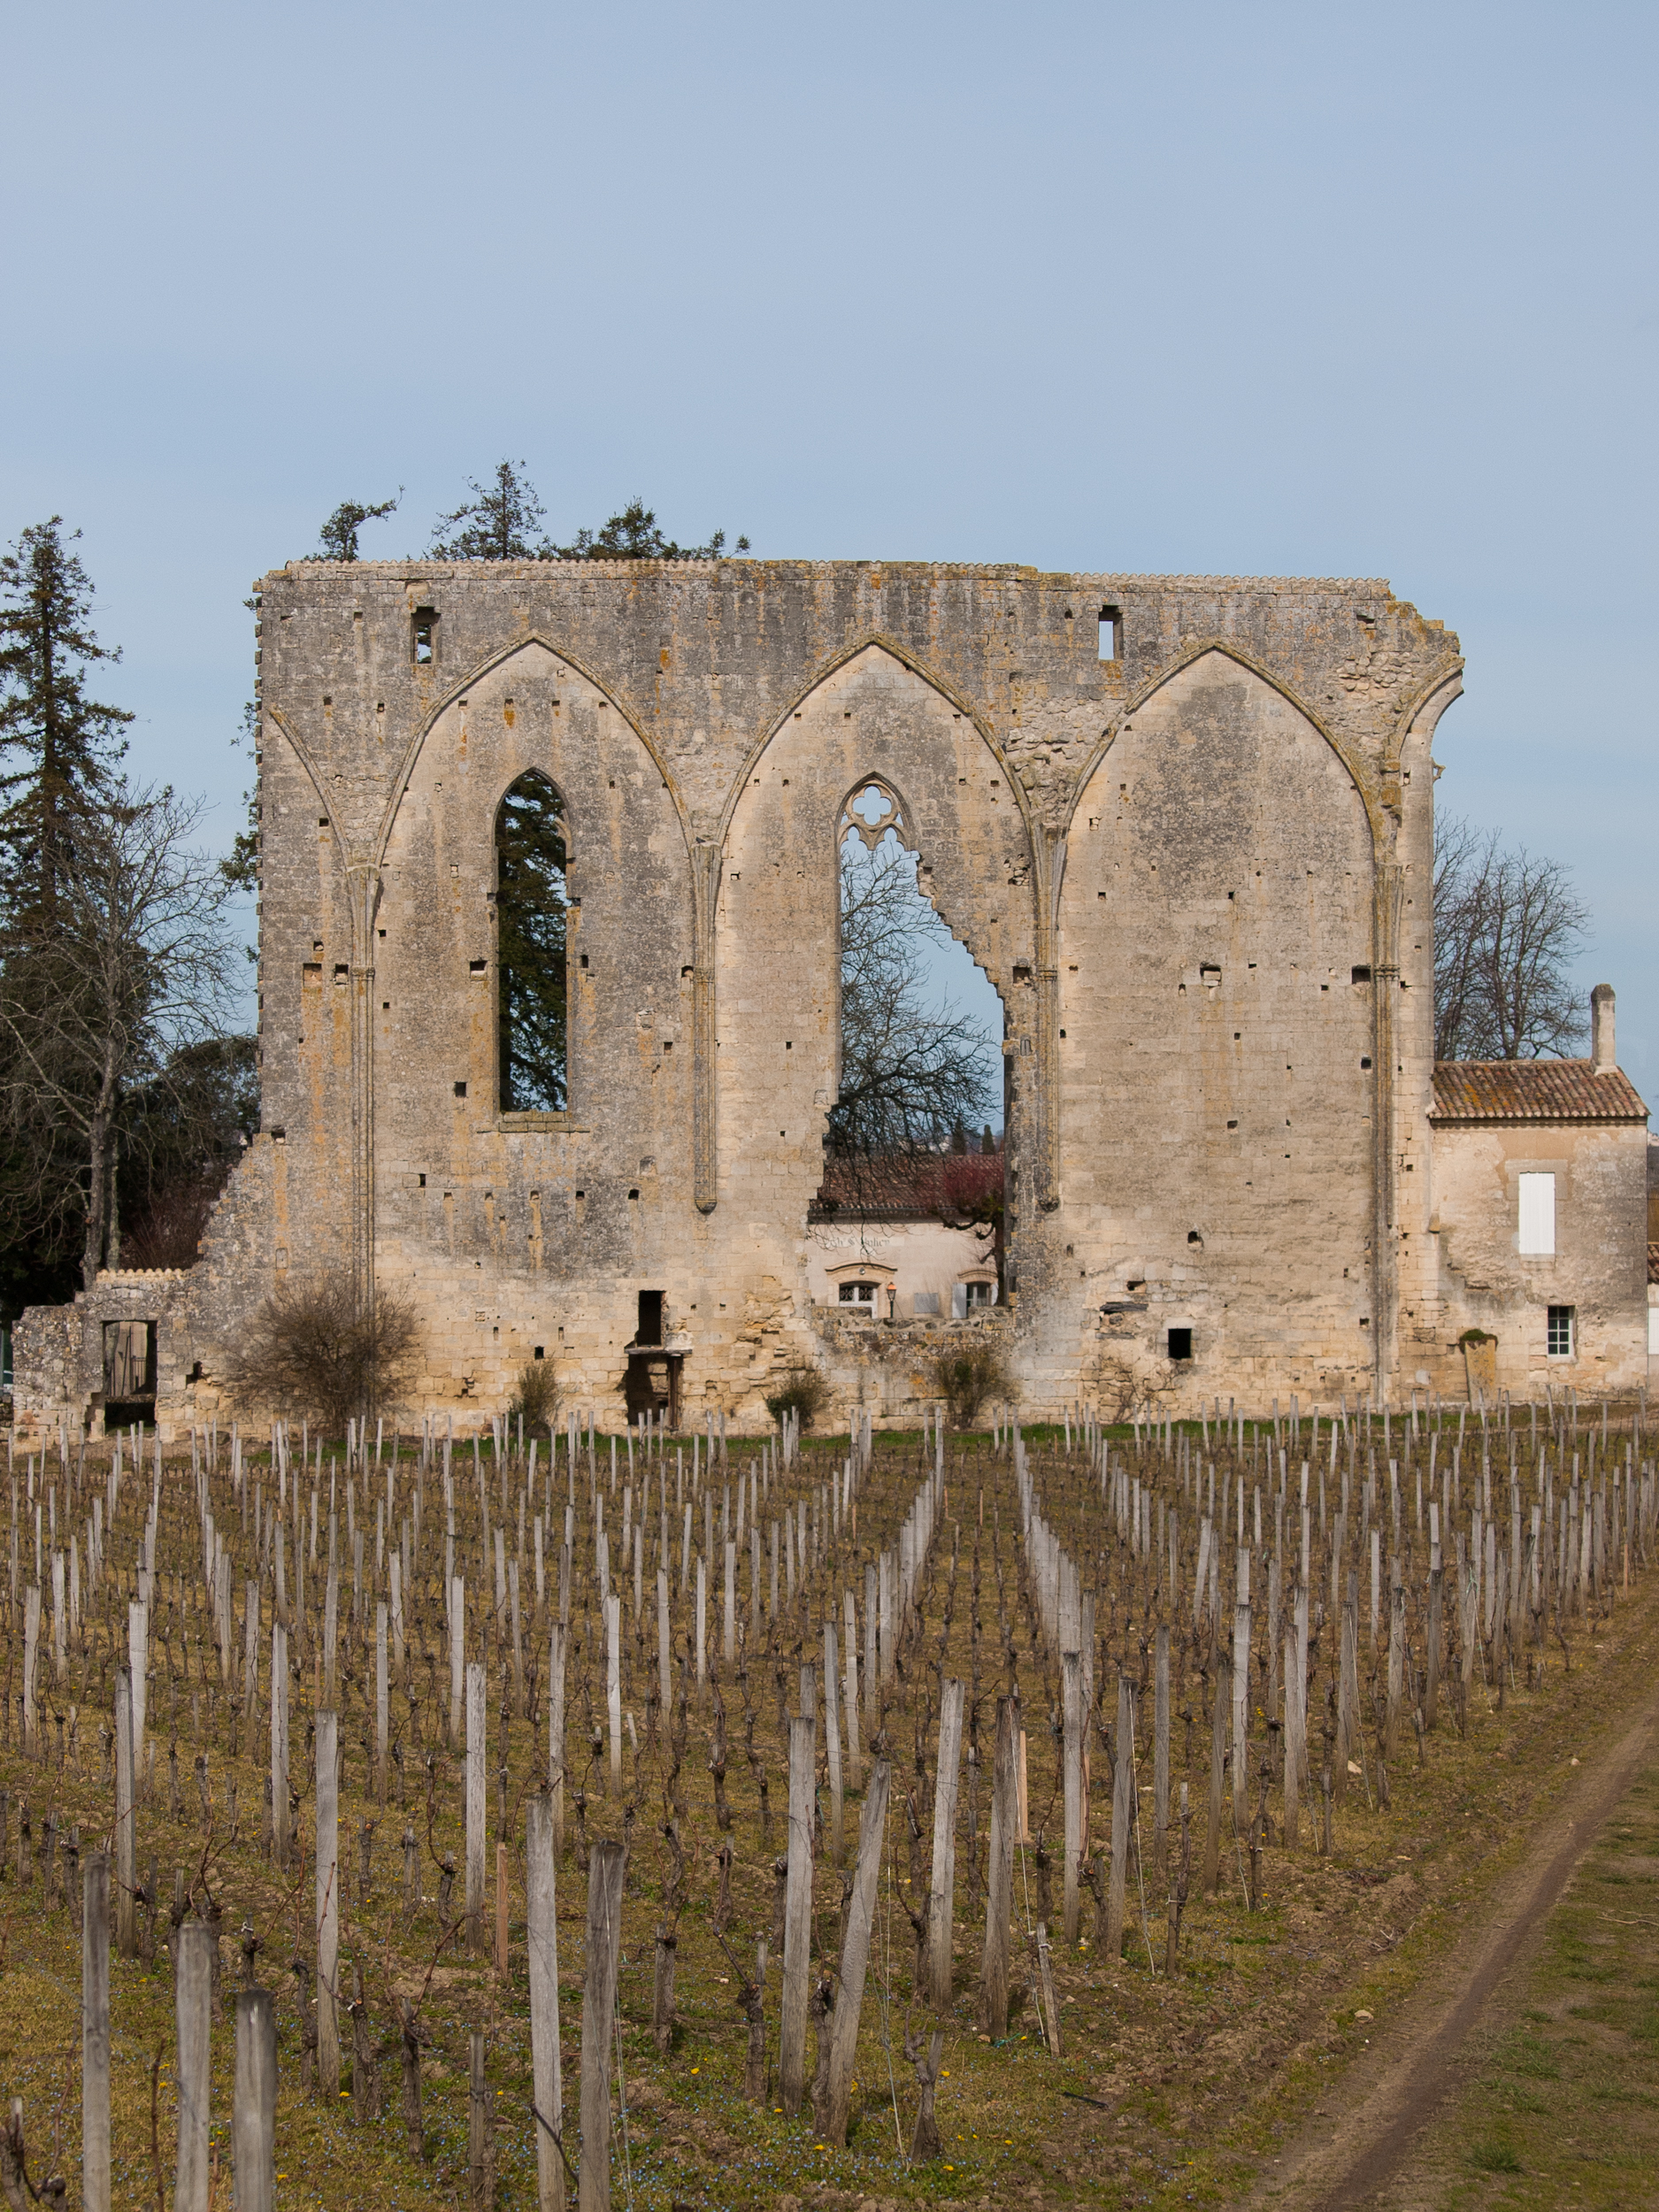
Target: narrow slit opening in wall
<point>1111,633</point>
<point>531,904</point>
<point>424,635</point>
<point>922,1081</point>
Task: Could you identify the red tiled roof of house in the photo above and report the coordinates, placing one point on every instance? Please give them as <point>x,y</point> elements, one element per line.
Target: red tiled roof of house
<point>1532,1090</point>
<point>930,1185</point>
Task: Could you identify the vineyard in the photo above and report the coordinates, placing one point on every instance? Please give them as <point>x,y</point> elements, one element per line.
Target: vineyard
<point>691,1821</point>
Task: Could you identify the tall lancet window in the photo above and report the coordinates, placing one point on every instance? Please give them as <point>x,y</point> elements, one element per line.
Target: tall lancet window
<point>532,858</point>
<point>920,1067</point>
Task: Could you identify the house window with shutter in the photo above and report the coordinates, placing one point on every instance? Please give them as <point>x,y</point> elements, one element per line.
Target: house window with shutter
<point>1538,1215</point>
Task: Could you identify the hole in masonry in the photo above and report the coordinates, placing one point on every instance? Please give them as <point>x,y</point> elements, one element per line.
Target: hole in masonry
<point>532,902</point>
<point>921,1071</point>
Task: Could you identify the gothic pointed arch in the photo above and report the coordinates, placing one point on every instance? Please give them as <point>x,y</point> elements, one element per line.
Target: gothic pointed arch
<point>1222,983</point>
<point>536,857</point>
<point>1177,673</point>
<point>539,657</point>
<point>868,652</point>
<point>873,722</point>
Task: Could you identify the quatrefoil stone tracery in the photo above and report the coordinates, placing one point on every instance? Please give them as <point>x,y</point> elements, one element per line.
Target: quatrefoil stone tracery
<point>871,813</point>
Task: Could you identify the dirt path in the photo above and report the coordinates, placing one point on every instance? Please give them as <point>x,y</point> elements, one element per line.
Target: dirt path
<point>1389,2096</point>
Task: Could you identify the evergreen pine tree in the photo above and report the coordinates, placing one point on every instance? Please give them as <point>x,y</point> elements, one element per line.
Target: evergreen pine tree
<point>57,746</point>
<point>340,532</point>
<point>495,523</point>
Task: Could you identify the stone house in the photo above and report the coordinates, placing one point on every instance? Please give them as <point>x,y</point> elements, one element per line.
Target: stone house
<point>909,1237</point>
<point>1183,823</point>
<point>1540,1210</point>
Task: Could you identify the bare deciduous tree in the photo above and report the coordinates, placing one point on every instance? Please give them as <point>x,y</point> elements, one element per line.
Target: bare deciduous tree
<point>913,1068</point>
<point>1508,926</point>
<point>102,999</point>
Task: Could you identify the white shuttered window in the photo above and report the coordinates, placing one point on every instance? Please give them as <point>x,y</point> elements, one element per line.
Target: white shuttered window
<point>1538,1213</point>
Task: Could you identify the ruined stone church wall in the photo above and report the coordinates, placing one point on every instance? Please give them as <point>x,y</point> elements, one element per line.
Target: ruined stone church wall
<point>1216,1058</point>
<point>1080,822</point>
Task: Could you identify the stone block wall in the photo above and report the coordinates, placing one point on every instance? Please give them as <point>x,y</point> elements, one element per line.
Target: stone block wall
<point>1599,1266</point>
<point>1184,824</point>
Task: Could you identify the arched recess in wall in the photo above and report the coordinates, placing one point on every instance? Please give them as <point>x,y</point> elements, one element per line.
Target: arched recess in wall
<point>1216,935</point>
<point>531,721</point>
<point>871,720</point>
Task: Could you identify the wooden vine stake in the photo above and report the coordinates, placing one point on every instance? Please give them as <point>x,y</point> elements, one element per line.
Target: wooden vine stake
<point>599,2006</point>
<point>253,2120</point>
<point>192,2079</point>
<point>999,1902</point>
<point>797,1925</point>
<point>95,2034</point>
<point>855,1957</point>
<point>941,1900</point>
<point>543,1942</point>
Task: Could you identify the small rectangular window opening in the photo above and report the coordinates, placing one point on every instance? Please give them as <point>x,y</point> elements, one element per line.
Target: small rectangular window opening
<point>1361,975</point>
<point>857,1293</point>
<point>460,1090</point>
<point>651,1324</point>
<point>1558,1341</point>
<point>1180,1344</point>
<point>1110,622</point>
<point>1536,1222</point>
<point>426,636</point>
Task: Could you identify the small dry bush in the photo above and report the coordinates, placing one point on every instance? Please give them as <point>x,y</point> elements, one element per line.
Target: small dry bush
<point>1121,1389</point>
<point>966,1375</point>
<point>802,1392</point>
<point>535,1394</point>
<point>308,1349</point>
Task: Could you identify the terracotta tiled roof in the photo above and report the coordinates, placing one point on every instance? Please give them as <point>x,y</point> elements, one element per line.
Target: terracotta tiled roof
<point>1532,1090</point>
<point>921,1187</point>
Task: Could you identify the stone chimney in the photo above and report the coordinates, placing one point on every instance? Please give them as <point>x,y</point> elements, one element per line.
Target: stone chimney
<point>1603,1059</point>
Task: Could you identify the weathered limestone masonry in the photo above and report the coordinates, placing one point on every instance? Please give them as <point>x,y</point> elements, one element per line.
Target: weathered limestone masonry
<point>1194,859</point>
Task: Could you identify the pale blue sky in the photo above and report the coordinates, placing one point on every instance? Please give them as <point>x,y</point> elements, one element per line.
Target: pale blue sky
<point>1284,289</point>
